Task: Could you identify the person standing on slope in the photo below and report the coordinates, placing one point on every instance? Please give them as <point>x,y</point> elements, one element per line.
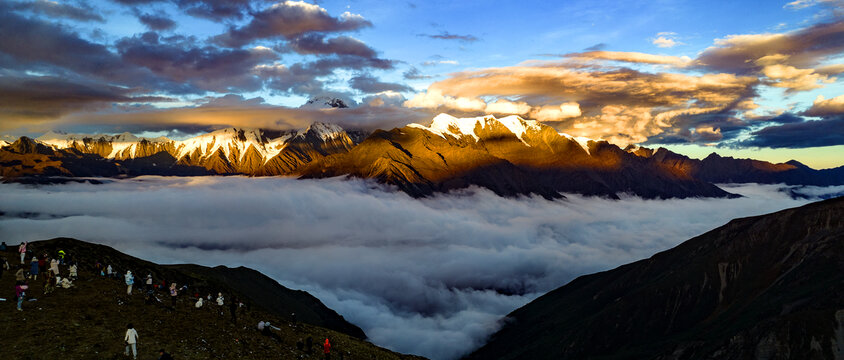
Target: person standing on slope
<point>130,280</point>
<point>22,250</point>
<point>19,276</point>
<point>173,294</point>
<point>4,265</point>
<point>20,292</point>
<point>131,340</point>
<point>326,348</point>
<point>33,269</point>
<point>149,282</point>
<point>54,267</point>
<point>74,271</point>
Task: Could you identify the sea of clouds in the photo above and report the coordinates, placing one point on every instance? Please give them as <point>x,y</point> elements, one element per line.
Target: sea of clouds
<point>426,276</point>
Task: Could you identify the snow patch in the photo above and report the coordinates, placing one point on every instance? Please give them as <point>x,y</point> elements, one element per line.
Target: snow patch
<point>580,140</point>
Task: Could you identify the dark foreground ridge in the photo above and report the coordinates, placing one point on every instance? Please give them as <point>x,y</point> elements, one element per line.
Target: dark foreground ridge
<point>764,287</point>
<point>88,320</point>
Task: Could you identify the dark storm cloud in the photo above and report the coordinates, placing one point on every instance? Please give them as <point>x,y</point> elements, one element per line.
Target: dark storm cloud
<point>825,132</point>
<point>301,78</point>
<point>430,277</point>
<point>209,9</point>
<point>207,68</point>
<point>157,22</point>
<point>216,9</point>
<point>445,35</point>
<point>786,118</point>
<point>341,45</point>
<point>287,20</point>
<point>82,12</point>
<point>371,85</point>
<point>45,96</point>
<point>39,45</point>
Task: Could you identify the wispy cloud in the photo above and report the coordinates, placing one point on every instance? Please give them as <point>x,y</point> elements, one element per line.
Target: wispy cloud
<point>445,35</point>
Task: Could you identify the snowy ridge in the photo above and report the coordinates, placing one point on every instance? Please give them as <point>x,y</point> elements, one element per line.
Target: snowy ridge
<point>231,141</point>
<point>234,143</point>
<point>324,131</point>
<point>580,140</point>
<point>444,124</point>
<point>119,142</point>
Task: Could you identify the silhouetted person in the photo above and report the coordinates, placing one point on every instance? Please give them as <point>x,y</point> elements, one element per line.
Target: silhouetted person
<point>233,309</point>
<point>309,344</point>
<point>163,355</point>
<point>4,265</point>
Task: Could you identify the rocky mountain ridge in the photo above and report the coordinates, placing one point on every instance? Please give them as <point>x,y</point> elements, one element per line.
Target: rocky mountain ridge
<point>510,156</point>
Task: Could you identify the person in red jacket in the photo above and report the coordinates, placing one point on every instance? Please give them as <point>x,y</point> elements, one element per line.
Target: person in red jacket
<point>327,349</point>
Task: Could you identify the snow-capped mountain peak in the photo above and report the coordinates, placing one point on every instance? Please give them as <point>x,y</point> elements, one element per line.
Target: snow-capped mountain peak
<point>444,124</point>
<point>324,131</point>
<point>324,102</point>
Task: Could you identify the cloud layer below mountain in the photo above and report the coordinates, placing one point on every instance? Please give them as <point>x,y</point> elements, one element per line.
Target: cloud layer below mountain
<point>430,276</point>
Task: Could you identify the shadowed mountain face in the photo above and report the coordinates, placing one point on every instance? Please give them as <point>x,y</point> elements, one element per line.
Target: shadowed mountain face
<point>510,156</point>
<point>766,287</point>
<point>533,159</point>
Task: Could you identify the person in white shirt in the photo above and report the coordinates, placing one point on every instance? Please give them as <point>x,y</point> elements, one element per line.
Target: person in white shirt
<point>198,303</point>
<point>74,271</point>
<point>131,340</point>
<point>130,280</point>
<point>220,299</point>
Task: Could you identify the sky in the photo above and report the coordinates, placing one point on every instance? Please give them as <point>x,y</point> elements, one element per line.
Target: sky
<point>430,276</point>
<point>741,78</point>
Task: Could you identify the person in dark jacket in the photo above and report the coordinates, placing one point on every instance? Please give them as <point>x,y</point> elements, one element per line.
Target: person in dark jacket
<point>33,269</point>
<point>233,309</point>
<point>163,355</point>
<point>4,265</point>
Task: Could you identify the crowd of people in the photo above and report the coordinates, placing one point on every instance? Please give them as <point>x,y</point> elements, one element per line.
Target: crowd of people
<point>41,264</point>
<point>49,267</point>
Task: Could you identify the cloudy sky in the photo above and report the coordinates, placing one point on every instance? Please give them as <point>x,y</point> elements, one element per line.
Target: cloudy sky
<point>744,78</point>
<point>426,276</point>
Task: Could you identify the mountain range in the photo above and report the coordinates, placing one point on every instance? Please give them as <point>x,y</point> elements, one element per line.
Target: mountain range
<point>763,287</point>
<point>510,156</point>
